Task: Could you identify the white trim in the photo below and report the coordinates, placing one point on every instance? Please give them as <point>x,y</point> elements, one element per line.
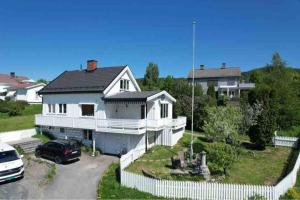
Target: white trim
<point>119,76</point>
<point>161,93</point>
<point>33,86</point>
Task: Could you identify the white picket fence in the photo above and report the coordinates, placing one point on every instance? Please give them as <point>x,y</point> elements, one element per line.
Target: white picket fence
<point>285,141</point>
<point>203,190</point>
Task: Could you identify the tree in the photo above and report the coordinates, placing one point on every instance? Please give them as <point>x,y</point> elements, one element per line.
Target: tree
<point>222,124</point>
<point>250,115</point>
<point>42,81</point>
<point>211,91</point>
<point>262,132</point>
<point>151,78</point>
<point>168,84</point>
<point>220,157</point>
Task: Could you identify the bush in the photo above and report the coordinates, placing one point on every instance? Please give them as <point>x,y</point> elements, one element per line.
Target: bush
<point>220,157</point>
<point>257,197</point>
<point>292,194</point>
<point>12,108</point>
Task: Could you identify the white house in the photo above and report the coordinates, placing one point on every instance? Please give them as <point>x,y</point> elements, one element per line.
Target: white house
<point>26,92</point>
<point>20,88</point>
<point>105,106</point>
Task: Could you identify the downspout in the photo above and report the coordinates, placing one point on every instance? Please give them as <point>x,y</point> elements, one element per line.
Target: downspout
<point>146,134</point>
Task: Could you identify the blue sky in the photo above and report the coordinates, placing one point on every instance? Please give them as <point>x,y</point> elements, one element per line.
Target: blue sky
<point>41,39</point>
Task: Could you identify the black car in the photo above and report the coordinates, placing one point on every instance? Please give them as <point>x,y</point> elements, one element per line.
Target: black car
<point>59,150</point>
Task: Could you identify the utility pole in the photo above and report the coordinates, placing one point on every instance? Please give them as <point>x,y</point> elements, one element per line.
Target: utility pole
<point>193,93</point>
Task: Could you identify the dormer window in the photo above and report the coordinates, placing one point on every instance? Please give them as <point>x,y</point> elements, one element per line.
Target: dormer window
<point>124,84</point>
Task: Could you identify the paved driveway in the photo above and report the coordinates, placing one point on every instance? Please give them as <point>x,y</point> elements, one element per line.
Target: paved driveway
<point>77,180</point>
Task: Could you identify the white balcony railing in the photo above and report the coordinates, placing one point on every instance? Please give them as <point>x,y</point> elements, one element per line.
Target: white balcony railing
<point>126,126</point>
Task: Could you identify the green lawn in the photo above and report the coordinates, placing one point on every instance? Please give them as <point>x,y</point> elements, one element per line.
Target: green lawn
<point>260,167</point>
<point>24,121</point>
<point>110,187</point>
<point>294,131</point>
<point>44,138</point>
<point>254,167</point>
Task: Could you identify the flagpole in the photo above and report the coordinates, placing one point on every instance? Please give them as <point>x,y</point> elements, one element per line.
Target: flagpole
<point>193,93</point>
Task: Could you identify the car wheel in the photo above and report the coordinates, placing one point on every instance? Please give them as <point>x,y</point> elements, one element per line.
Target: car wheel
<point>38,153</point>
<point>58,160</point>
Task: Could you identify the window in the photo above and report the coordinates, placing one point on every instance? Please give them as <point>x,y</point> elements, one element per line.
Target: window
<point>212,82</point>
<point>51,108</point>
<point>164,110</point>
<point>87,110</point>
<point>230,82</point>
<point>62,130</point>
<point>88,134</point>
<point>62,108</point>
<point>124,84</point>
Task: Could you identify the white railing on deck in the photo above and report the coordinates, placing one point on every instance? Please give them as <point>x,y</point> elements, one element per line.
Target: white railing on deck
<point>127,126</point>
<point>203,190</point>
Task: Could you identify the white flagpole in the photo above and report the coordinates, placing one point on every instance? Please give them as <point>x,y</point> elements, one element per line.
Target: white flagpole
<point>193,92</point>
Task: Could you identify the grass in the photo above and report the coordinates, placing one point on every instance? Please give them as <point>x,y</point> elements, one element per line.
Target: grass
<point>24,121</point>
<point>44,138</point>
<point>17,123</point>
<point>51,174</point>
<point>110,188</point>
<point>294,131</point>
<point>260,167</point>
<point>253,167</point>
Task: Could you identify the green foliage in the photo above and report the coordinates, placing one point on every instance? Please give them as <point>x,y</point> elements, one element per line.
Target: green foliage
<point>261,133</point>
<point>41,80</point>
<point>151,78</point>
<point>12,108</point>
<point>257,197</point>
<point>211,91</point>
<point>292,194</point>
<point>221,157</point>
<point>110,188</point>
<point>277,86</point>
<point>222,124</point>
<point>43,137</point>
<point>294,131</point>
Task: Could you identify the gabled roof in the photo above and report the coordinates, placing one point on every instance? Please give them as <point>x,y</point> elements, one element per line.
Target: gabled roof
<point>11,81</point>
<point>137,96</point>
<point>216,72</point>
<point>26,86</point>
<point>83,80</point>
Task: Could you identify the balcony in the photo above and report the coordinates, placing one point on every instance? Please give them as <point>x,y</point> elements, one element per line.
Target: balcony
<point>125,126</point>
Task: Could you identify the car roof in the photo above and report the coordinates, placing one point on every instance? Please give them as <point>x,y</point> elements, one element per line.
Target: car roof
<point>6,147</point>
<point>63,141</point>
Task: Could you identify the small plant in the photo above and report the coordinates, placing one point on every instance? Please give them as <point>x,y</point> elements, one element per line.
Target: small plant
<point>19,150</point>
<point>292,194</point>
<point>257,197</point>
<point>50,175</point>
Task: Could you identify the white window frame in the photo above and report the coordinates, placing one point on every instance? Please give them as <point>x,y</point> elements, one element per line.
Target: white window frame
<point>62,108</point>
<point>164,110</point>
<point>124,85</point>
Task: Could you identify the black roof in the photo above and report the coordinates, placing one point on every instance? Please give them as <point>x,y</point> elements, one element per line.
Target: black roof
<point>83,81</point>
<point>131,96</point>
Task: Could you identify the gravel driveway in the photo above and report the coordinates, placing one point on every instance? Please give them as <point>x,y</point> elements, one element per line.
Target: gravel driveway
<point>77,180</point>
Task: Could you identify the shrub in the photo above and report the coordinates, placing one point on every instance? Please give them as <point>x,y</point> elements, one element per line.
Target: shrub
<point>292,194</point>
<point>221,157</point>
<point>257,197</point>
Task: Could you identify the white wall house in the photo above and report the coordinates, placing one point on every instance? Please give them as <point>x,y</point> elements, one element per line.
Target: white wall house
<point>226,80</point>
<point>27,93</point>
<point>105,106</point>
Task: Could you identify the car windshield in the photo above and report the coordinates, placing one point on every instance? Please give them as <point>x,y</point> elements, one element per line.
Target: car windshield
<point>7,156</point>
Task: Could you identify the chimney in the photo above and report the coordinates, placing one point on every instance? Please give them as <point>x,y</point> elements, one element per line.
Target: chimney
<point>202,67</point>
<point>12,74</point>
<point>223,66</point>
<point>91,65</point>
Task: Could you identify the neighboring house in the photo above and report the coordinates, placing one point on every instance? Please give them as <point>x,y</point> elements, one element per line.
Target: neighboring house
<point>105,107</point>
<point>19,88</point>
<point>26,92</point>
<point>226,80</point>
